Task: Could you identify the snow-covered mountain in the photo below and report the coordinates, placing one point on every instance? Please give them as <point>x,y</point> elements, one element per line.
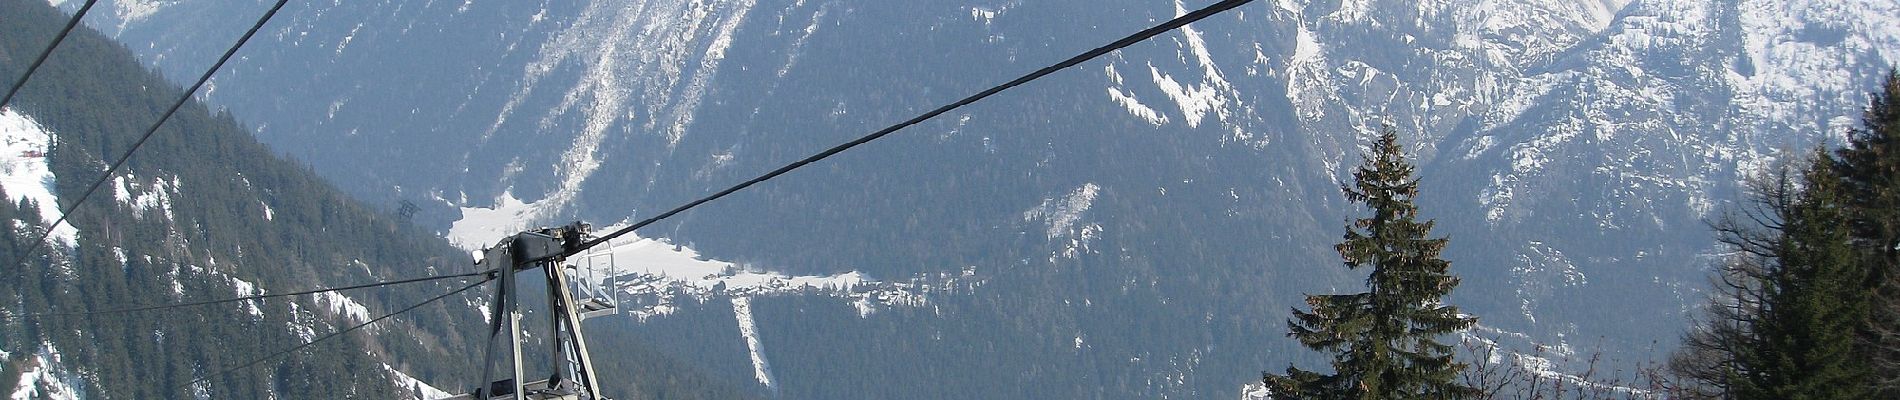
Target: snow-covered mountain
<point>1140,223</point>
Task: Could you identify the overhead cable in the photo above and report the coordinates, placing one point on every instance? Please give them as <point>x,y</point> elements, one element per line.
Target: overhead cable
<point>182,98</point>
<point>77,15</point>
<point>207,378</point>
<point>1145,34</point>
<point>238,299</point>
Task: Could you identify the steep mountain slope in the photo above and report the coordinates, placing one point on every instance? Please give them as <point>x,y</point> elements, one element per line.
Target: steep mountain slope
<point>205,212</point>
<point>1139,225</point>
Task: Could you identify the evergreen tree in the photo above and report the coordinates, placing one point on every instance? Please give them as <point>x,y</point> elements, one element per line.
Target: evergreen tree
<point>1792,304</point>
<point>1385,342</point>
<point>1815,300</point>
<point>1869,168</point>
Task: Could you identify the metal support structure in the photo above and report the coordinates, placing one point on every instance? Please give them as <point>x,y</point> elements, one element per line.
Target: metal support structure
<point>601,288</point>
<point>572,376</point>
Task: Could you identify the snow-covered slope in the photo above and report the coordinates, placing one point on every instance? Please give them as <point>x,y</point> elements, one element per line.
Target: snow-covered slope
<point>24,172</point>
<point>45,377</point>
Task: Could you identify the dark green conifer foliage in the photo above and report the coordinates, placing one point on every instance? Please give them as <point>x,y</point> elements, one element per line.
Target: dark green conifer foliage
<point>1814,300</point>
<point>1385,342</point>
<point>1869,168</point>
<point>1793,303</point>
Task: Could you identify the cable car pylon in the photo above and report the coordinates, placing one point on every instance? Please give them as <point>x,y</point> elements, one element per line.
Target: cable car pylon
<point>572,376</point>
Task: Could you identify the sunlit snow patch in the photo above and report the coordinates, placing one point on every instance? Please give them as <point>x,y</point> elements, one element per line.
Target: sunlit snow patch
<point>1128,101</point>
<point>136,193</point>
<point>24,172</point>
<point>481,227</point>
<point>651,275</point>
<point>742,309</point>
<point>415,386</point>
<point>46,378</point>
<point>341,305</point>
<point>1517,353</point>
<point>1063,217</point>
<point>1255,391</point>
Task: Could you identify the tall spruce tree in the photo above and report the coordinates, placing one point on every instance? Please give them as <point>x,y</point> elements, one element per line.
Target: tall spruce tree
<point>1792,305</point>
<point>1814,301</point>
<point>1869,168</point>
<point>1385,342</point>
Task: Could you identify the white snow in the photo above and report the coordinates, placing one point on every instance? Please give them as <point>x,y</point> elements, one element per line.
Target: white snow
<point>178,275</point>
<point>132,11</point>
<point>1061,213</point>
<point>24,172</point>
<point>1306,47</point>
<point>656,273</point>
<point>1307,86</point>
<point>1290,6</point>
<point>1527,355</point>
<point>742,308</point>
<point>1137,109</point>
<point>343,306</point>
<point>482,227</point>
<point>178,287</point>
<point>136,193</point>
<point>987,14</point>
<point>644,66</point>
<point>340,45</point>
<point>1603,11</point>
<point>424,390</point>
<point>1479,145</point>
<point>1128,101</point>
<point>1538,361</point>
<point>46,377</point>
<point>118,254</point>
<point>1352,10</point>
<point>1212,94</point>
<point>695,89</point>
<point>1256,391</point>
<point>1194,101</point>
<point>1541,268</point>
<point>246,288</point>
<point>1800,83</point>
<point>798,45</point>
<point>305,333</point>
<point>1062,217</point>
<point>983,14</point>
